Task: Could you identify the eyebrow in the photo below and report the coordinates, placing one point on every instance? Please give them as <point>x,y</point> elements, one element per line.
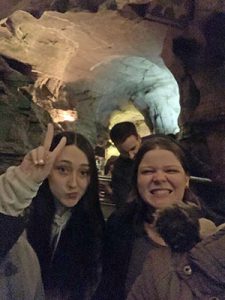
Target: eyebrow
<point>69,162</point>
<point>166,166</point>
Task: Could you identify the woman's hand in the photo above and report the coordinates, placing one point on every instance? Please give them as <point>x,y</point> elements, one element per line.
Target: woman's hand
<point>38,163</point>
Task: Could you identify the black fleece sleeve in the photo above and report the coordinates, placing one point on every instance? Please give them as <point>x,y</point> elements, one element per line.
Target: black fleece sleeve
<point>10,230</point>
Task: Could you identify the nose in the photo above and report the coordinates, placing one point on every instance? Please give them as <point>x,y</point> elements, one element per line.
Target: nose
<point>72,180</point>
<point>159,176</point>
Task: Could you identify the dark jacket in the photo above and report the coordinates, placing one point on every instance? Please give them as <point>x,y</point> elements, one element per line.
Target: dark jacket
<point>10,230</point>
<point>121,180</point>
<point>118,245</point>
<point>197,274</point>
<point>75,266</point>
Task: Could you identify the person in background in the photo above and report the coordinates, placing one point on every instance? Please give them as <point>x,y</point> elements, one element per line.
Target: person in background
<point>20,276</point>
<point>126,139</point>
<point>161,179</point>
<point>65,226</point>
<point>106,186</point>
<point>109,166</point>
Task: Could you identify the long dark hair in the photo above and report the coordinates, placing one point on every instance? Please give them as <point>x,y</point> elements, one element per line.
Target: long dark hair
<point>160,141</point>
<point>90,200</point>
<point>80,243</point>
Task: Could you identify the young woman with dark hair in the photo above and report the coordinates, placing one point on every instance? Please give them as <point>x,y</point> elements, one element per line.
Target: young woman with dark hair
<point>160,179</point>
<point>20,276</point>
<point>65,225</point>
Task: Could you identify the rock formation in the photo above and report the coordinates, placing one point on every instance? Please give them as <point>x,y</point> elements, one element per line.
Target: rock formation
<point>79,64</point>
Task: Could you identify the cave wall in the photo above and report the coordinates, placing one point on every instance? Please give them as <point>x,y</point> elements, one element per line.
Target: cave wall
<point>198,66</point>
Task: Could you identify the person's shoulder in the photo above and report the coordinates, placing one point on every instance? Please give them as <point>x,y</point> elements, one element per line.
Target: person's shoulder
<point>214,244</point>
<point>123,215</point>
<point>120,225</point>
<point>123,161</point>
<point>122,166</point>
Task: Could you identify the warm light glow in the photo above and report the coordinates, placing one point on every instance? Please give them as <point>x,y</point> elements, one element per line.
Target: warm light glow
<point>68,117</point>
<point>111,151</point>
<point>130,113</point>
<point>60,115</point>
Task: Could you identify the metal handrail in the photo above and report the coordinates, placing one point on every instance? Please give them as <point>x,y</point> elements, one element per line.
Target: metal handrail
<point>104,178</point>
<point>192,178</point>
<point>200,179</point>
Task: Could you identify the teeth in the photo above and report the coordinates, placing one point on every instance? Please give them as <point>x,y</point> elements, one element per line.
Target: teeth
<point>160,192</point>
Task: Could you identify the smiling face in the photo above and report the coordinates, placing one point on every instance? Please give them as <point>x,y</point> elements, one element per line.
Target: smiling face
<point>161,179</point>
<point>70,176</point>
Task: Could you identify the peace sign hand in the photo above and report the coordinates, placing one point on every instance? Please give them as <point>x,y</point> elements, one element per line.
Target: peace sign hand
<point>38,163</point>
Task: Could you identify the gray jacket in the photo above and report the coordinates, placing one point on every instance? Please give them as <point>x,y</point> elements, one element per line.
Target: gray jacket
<point>20,274</point>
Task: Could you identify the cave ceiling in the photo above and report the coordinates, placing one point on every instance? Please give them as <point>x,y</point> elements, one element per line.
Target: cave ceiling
<point>90,65</point>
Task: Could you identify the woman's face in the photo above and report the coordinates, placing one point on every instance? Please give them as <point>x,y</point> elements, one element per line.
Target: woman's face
<point>70,176</point>
<point>161,179</point>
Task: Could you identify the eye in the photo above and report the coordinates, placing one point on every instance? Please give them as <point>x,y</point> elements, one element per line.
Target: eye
<point>147,171</point>
<point>172,171</point>
<point>62,170</point>
<point>84,173</point>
